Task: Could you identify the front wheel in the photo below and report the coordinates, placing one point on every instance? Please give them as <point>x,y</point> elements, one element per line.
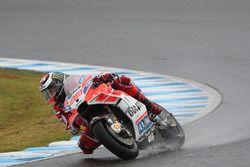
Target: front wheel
<point>124,148</point>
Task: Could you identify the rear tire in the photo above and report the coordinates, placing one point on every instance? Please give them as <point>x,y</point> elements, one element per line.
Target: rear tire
<point>174,135</point>
<point>102,132</point>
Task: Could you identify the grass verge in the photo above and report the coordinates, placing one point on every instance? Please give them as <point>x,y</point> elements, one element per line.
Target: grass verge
<point>26,119</point>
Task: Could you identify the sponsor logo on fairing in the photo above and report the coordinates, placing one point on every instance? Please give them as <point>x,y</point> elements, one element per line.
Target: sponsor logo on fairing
<point>67,108</point>
<point>134,109</point>
<point>86,87</point>
<point>144,124</point>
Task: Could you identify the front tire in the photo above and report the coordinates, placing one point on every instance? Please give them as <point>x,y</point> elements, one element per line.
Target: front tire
<point>102,132</point>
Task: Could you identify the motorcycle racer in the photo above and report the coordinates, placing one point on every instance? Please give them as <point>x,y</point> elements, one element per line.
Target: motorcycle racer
<point>55,86</point>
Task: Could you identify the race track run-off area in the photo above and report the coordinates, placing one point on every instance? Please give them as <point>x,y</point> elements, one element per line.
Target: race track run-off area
<point>187,100</point>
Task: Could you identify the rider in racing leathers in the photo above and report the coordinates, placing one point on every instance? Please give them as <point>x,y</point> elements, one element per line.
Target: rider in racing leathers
<point>55,86</point>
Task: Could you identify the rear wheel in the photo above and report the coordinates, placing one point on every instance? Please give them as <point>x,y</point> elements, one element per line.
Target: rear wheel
<point>173,134</point>
<point>123,147</point>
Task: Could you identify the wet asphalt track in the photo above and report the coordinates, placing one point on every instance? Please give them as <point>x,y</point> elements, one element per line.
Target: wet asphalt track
<point>202,40</point>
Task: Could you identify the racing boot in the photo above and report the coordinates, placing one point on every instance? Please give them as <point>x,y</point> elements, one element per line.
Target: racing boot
<point>125,84</point>
<point>156,113</point>
<point>153,108</point>
<point>87,144</point>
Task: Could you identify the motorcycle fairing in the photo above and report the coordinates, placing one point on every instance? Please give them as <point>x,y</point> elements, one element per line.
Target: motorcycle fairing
<point>105,94</point>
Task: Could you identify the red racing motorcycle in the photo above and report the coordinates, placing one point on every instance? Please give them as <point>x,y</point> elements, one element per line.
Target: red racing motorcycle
<point>119,121</point>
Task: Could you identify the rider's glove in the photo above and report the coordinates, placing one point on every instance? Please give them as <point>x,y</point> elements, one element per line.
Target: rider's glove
<point>59,115</point>
<point>104,78</point>
<point>122,81</point>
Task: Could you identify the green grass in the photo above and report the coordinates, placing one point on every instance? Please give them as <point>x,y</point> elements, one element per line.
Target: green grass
<point>26,120</point>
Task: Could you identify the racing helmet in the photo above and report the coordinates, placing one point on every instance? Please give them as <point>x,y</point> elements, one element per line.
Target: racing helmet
<point>51,85</point>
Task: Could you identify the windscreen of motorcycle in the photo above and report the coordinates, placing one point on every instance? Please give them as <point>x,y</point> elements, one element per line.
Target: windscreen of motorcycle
<point>72,83</point>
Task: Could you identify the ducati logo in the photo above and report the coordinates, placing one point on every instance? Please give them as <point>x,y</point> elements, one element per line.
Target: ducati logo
<point>134,109</point>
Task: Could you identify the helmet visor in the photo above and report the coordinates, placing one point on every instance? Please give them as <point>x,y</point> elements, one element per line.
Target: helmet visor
<point>50,92</point>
